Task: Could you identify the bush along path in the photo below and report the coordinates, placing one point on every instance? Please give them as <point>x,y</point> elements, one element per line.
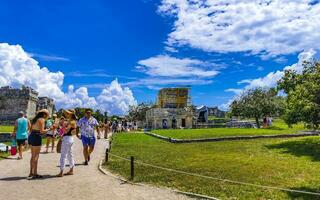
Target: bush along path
<point>87,182</point>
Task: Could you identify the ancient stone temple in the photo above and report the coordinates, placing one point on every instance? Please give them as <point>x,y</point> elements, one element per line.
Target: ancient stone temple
<point>13,100</point>
<point>173,110</point>
<point>46,103</point>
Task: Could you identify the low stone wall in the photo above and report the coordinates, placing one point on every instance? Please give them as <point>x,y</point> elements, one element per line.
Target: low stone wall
<point>230,138</point>
<point>241,124</point>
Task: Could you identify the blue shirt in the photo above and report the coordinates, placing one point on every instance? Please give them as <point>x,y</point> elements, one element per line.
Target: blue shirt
<point>87,126</point>
<point>22,128</point>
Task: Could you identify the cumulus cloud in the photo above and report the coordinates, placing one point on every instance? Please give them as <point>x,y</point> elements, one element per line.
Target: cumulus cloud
<point>19,68</point>
<point>116,99</point>
<point>264,27</point>
<point>271,79</point>
<point>168,70</point>
<point>164,65</point>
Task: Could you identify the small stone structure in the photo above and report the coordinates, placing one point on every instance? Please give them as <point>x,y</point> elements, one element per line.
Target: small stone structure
<point>172,110</point>
<point>159,118</point>
<point>13,100</point>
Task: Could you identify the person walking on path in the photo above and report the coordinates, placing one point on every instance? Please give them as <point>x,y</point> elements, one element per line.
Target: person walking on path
<point>35,140</point>
<point>53,124</point>
<point>86,125</point>
<point>67,143</point>
<point>20,132</point>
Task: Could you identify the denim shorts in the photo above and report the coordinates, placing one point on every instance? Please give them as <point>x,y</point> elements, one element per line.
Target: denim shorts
<point>88,141</point>
<point>35,139</point>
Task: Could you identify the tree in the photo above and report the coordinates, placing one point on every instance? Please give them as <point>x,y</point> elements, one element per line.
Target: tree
<point>98,115</point>
<point>138,112</point>
<point>257,103</point>
<point>303,95</point>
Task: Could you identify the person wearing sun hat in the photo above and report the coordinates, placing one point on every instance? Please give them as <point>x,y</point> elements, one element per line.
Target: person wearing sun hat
<point>35,141</point>
<point>67,142</point>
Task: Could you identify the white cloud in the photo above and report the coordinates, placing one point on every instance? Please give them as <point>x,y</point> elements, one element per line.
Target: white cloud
<point>260,68</point>
<point>77,98</point>
<point>271,79</point>
<point>264,27</point>
<point>167,81</point>
<point>234,90</point>
<point>18,68</point>
<point>116,99</point>
<point>164,65</point>
<point>48,57</point>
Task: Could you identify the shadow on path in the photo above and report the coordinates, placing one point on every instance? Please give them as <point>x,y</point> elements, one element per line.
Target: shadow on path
<point>294,195</point>
<point>77,164</point>
<point>305,147</point>
<point>15,178</point>
<point>18,178</point>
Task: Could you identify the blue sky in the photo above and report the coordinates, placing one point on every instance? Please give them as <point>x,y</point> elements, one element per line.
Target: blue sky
<point>140,43</point>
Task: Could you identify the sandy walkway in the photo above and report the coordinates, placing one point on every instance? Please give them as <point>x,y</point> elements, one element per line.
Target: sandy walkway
<point>87,183</point>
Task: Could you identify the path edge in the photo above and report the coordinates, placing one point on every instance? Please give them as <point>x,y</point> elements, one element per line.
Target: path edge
<point>108,173</point>
<point>194,195</point>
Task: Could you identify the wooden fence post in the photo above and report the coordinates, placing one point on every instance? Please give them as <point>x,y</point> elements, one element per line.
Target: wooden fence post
<point>132,167</point>
<point>107,155</point>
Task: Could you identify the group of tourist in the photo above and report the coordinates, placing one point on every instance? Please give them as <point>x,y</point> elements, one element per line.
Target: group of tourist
<point>267,121</point>
<point>65,129</point>
<point>117,126</point>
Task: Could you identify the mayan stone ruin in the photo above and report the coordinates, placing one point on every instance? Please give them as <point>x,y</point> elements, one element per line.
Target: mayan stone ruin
<point>173,110</point>
<point>13,100</point>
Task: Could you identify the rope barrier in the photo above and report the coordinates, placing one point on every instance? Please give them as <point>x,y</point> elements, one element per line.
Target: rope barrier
<point>218,179</point>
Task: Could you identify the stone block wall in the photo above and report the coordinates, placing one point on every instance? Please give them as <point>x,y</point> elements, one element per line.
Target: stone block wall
<point>25,99</point>
<point>12,101</point>
<point>174,117</point>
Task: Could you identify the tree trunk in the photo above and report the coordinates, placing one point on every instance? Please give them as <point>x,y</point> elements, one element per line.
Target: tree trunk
<point>257,122</point>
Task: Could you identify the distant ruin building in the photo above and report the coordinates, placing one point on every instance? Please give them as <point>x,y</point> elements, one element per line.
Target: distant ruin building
<point>46,103</point>
<point>173,98</point>
<point>173,110</point>
<point>13,100</point>
<point>215,112</point>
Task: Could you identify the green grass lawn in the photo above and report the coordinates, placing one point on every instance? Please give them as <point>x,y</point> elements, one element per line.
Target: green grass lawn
<point>7,129</point>
<point>287,163</point>
<point>279,127</point>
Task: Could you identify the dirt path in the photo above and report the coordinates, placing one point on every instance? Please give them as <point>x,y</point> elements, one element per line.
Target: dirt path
<point>87,183</point>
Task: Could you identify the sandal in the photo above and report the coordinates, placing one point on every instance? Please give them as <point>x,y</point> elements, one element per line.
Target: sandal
<point>37,176</point>
<point>69,173</point>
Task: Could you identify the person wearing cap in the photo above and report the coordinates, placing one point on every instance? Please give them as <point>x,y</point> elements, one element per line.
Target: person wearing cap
<point>35,141</point>
<point>20,132</point>
<point>67,142</point>
<point>53,124</point>
<point>86,125</point>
